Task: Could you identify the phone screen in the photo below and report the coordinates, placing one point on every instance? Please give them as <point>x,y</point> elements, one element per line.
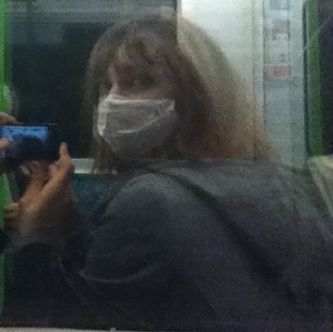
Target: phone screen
<point>30,142</point>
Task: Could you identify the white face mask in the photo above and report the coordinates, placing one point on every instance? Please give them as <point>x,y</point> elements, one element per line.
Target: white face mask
<point>133,128</point>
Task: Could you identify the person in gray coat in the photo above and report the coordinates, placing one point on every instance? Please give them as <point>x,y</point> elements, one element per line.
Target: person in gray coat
<point>198,229</point>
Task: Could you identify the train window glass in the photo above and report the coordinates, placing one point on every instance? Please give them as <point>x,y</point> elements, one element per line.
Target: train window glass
<point>51,42</point>
<point>264,41</point>
<point>280,49</point>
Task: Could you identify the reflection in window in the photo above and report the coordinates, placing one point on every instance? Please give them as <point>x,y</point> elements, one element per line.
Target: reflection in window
<point>51,42</point>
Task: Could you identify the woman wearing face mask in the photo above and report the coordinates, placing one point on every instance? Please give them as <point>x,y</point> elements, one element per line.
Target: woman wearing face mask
<point>162,89</point>
<point>185,237</point>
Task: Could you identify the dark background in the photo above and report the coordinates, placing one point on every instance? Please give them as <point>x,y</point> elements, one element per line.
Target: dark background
<point>49,55</point>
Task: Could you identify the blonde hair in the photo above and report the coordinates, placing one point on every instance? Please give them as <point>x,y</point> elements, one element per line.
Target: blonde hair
<point>218,119</point>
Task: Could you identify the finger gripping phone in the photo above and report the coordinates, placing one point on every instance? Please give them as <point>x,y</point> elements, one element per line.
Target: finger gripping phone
<point>30,142</point>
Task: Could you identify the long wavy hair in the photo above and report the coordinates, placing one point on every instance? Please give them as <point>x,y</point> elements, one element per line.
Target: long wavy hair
<point>219,120</point>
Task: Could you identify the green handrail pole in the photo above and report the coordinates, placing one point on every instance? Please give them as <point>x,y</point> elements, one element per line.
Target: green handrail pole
<point>5,106</point>
<point>2,55</point>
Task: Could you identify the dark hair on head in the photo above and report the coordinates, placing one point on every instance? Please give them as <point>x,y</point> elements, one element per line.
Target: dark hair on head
<point>218,119</point>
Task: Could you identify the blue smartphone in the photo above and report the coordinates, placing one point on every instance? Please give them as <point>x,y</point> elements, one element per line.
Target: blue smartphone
<point>30,142</point>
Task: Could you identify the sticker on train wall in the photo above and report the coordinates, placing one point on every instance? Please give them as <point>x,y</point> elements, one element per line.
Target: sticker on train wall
<point>277,53</point>
<point>279,4</point>
<point>279,72</point>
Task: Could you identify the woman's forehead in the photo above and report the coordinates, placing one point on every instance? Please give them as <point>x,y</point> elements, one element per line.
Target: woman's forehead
<point>147,47</point>
<point>141,61</point>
